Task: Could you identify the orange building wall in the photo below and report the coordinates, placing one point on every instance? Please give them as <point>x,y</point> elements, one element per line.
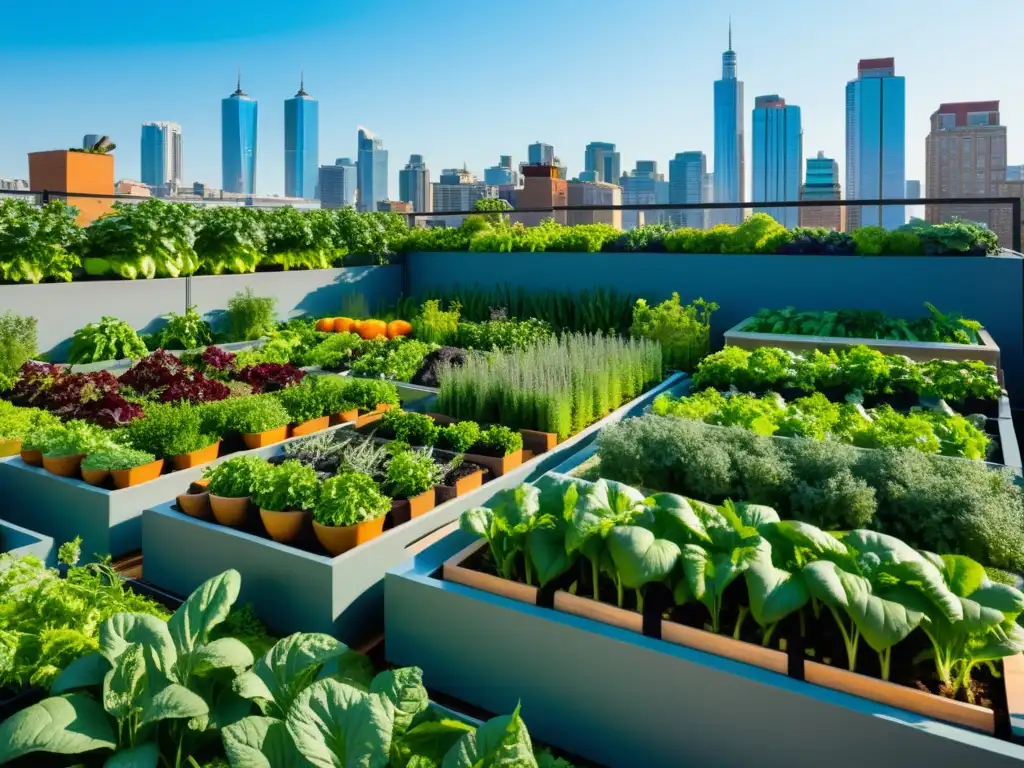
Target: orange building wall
<point>71,173</point>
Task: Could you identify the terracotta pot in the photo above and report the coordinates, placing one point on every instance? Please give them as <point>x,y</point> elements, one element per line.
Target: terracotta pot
<point>195,504</point>
<point>344,417</point>
<point>125,478</point>
<point>404,510</point>
<point>32,458</point>
<point>198,486</point>
<point>64,466</point>
<point>462,486</point>
<point>9,447</point>
<point>95,476</point>
<point>263,439</point>
<point>228,511</point>
<point>453,570</point>
<point>195,458</point>
<point>538,442</point>
<point>286,526</point>
<point>498,466</point>
<point>309,427</point>
<point>338,539</point>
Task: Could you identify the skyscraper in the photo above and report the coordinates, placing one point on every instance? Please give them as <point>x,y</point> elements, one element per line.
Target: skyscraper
<point>778,156</point>
<point>414,185</point>
<point>373,171</point>
<point>238,119</point>
<point>965,156</point>
<point>161,154</point>
<point>540,154</point>
<point>686,185</point>
<point>730,166</point>
<point>602,158</point>
<point>301,144</point>
<point>458,190</point>
<point>822,184</point>
<point>875,143</point>
<point>337,184</point>
<point>644,186</point>
<point>501,174</point>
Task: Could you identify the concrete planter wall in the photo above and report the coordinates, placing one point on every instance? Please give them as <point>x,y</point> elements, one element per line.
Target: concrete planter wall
<point>18,541</point>
<point>625,700</point>
<point>990,290</point>
<point>142,303</point>
<point>294,590</point>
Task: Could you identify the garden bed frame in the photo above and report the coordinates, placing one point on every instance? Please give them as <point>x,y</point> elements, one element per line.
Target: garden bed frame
<point>294,590</point>
<point>624,699</point>
<point>987,351</point>
<point>117,367</point>
<point>18,541</point>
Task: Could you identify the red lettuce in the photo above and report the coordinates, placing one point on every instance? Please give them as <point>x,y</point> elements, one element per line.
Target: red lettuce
<point>270,377</point>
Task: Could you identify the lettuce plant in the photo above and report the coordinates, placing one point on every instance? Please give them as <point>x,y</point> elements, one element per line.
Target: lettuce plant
<point>350,498</point>
<point>231,239</point>
<point>109,339</point>
<point>38,244</point>
<point>143,240</point>
<point>236,477</point>
<point>289,485</point>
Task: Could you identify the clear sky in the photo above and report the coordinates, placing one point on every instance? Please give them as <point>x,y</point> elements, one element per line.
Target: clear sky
<point>462,81</point>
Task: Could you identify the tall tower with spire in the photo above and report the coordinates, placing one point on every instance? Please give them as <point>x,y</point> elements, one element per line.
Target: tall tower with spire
<point>301,143</point>
<point>730,159</point>
<point>238,120</point>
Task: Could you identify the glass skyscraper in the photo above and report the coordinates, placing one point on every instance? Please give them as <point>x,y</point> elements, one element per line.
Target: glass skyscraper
<point>539,153</point>
<point>602,158</point>
<point>301,144</point>
<point>372,171</point>
<point>161,154</point>
<point>414,185</point>
<point>238,116</point>
<point>686,185</point>
<point>730,166</point>
<point>337,184</point>
<point>778,156</point>
<point>644,186</point>
<point>876,143</point>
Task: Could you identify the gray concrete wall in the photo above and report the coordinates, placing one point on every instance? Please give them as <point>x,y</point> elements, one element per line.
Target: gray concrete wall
<point>987,289</point>
<point>62,308</point>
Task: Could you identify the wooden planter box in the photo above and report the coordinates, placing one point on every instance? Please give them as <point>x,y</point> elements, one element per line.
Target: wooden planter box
<point>462,486</point>
<point>987,351</point>
<point>653,703</point>
<point>18,541</point>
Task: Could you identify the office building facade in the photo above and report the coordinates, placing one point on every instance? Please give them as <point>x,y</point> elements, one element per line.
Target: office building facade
<point>644,186</point>
<point>160,154</point>
<point>686,173</point>
<point>822,183</point>
<point>730,140</point>
<point>301,144</point>
<point>597,193</point>
<point>502,174</point>
<point>777,156</point>
<point>338,183</point>
<point>876,143</point>
<point>239,118</point>
<point>414,185</point>
<point>539,153</point>
<point>373,171</point>
<point>602,159</point>
<point>458,190</point>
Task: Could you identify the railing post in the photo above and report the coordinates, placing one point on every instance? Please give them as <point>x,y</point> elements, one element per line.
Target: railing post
<point>1015,215</point>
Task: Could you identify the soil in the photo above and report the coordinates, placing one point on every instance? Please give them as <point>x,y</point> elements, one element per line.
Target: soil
<point>486,450</point>
<point>465,469</point>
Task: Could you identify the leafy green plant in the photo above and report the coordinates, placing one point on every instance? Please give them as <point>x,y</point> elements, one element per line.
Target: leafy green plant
<point>169,429</point>
<point>501,439</point>
<point>459,436</point>
<point>109,339</point>
<point>290,485</point>
<point>408,427</point>
<point>257,413</point>
<point>304,401</point>
<point>333,392</point>
<point>185,331</point>
<point>367,394</point>
<point>250,316</point>
<point>682,331</point>
<point>302,239</point>
<point>504,334</point>
<point>231,239</point>
<point>759,233</point>
<point>67,439</point>
<point>435,325</point>
<point>18,344</point>
<point>350,498</point>
<point>398,359</point>
<point>117,457</point>
<point>236,477</point>
<point>413,472</point>
<point>38,244</point>
<point>335,353</point>
<point>143,240</point>
<point>16,423</point>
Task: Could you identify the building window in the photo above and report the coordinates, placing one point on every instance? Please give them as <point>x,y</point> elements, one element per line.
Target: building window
<point>946,122</point>
<point>979,187</point>
<point>977,118</point>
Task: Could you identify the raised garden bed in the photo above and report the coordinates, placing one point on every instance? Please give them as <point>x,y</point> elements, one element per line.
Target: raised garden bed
<point>18,542</point>
<point>987,351</point>
<point>117,366</point>
<point>294,589</point>
<point>662,694</point>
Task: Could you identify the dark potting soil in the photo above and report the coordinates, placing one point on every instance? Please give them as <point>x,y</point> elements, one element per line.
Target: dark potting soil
<point>481,449</point>
<point>465,469</point>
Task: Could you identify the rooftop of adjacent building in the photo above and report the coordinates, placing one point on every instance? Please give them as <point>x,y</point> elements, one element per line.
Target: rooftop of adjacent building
<point>876,67</point>
<point>967,114</point>
<point>772,101</point>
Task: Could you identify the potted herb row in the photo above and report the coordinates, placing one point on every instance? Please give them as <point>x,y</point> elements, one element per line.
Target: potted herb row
<point>125,466</point>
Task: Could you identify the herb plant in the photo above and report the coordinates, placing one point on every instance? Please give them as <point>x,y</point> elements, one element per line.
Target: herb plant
<point>682,331</point>
<point>185,331</point>
<point>109,339</point>
<point>460,436</point>
<point>413,472</point>
<point>117,457</point>
<point>289,485</point>
<point>304,401</point>
<point>258,413</point>
<point>236,477</point>
<point>502,439</point>
<point>408,427</point>
<point>350,498</point>
<point>435,325</point>
<point>18,344</point>
<point>398,359</point>
<point>335,353</point>
<point>250,316</point>
<point>170,430</point>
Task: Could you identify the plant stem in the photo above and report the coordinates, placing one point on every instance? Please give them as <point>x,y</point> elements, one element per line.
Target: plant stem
<point>768,634</point>
<point>639,600</point>
<point>848,641</point>
<point>739,622</point>
<point>618,589</point>
<point>593,575</point>
<point>526,561</point>
<point>803,624</point>
<point>885,659</point>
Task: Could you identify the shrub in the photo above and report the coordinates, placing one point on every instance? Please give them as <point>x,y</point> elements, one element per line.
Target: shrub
<point>235,478</point>
<point>304,401</point>
<point>116,458</point>
<point>411,428</point>
<point>434,325</point>
<point>170,430</point>
<point>250,316</point>
<point>759,233</point>
<point>348,499</point>
<point>682,331</point>
<point>109,339</point>
<point>291,485</point>
<point>411,473</point>
<point>18,344</point>
<point>257,413</point>
<point>460,436</point>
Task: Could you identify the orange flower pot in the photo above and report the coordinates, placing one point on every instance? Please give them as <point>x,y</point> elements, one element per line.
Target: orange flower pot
<point>263,439</point>
<point>9,447</point>
<point>338,539</point>
<point>344,417</point>
<point>64,466</point>
<point>404,510</point>
<point>309,427</point>
<point>95,476</point>
<point>125,478</point>
<point>284,527</point>
<point>195,504</point>
<point>195,458</point>
<point>228,511</point>
<point>462,486</point>
<point>32,458</point>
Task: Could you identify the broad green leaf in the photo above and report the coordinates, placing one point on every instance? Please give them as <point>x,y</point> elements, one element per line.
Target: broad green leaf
<point>261,742</point>
<point>1009,642</point>
<point>124,685</point>
<point>404,688</point>
<point>598,509</point>
<point>502,742</point>
<point>926,578</point>
<point>546,548</point>
<point>205,608</point>
<point>639,557</point>
<point>756,515</point>
<point>516,508</point>
<point>1001,597</point>
<point>676,519</point>
<point>962,574</point>
<point>84,672</point>
<point>145,755</point>
<point>227,652</point>
<point>805,536</point>
<point>173,702</point>
<point>428,743</point>
<point>65,725</point>
<point>476,521</point>
<point>352,668</point>
<point>122,629</point>
<point>558,494</point>
<point>288,667</point>
<point>774,594</point>
<point>335,725</point>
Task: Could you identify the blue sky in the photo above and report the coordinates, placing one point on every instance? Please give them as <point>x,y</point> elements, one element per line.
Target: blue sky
<point>463,81</point>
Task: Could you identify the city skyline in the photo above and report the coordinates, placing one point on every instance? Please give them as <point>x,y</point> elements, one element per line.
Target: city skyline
<point>676,94</point>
